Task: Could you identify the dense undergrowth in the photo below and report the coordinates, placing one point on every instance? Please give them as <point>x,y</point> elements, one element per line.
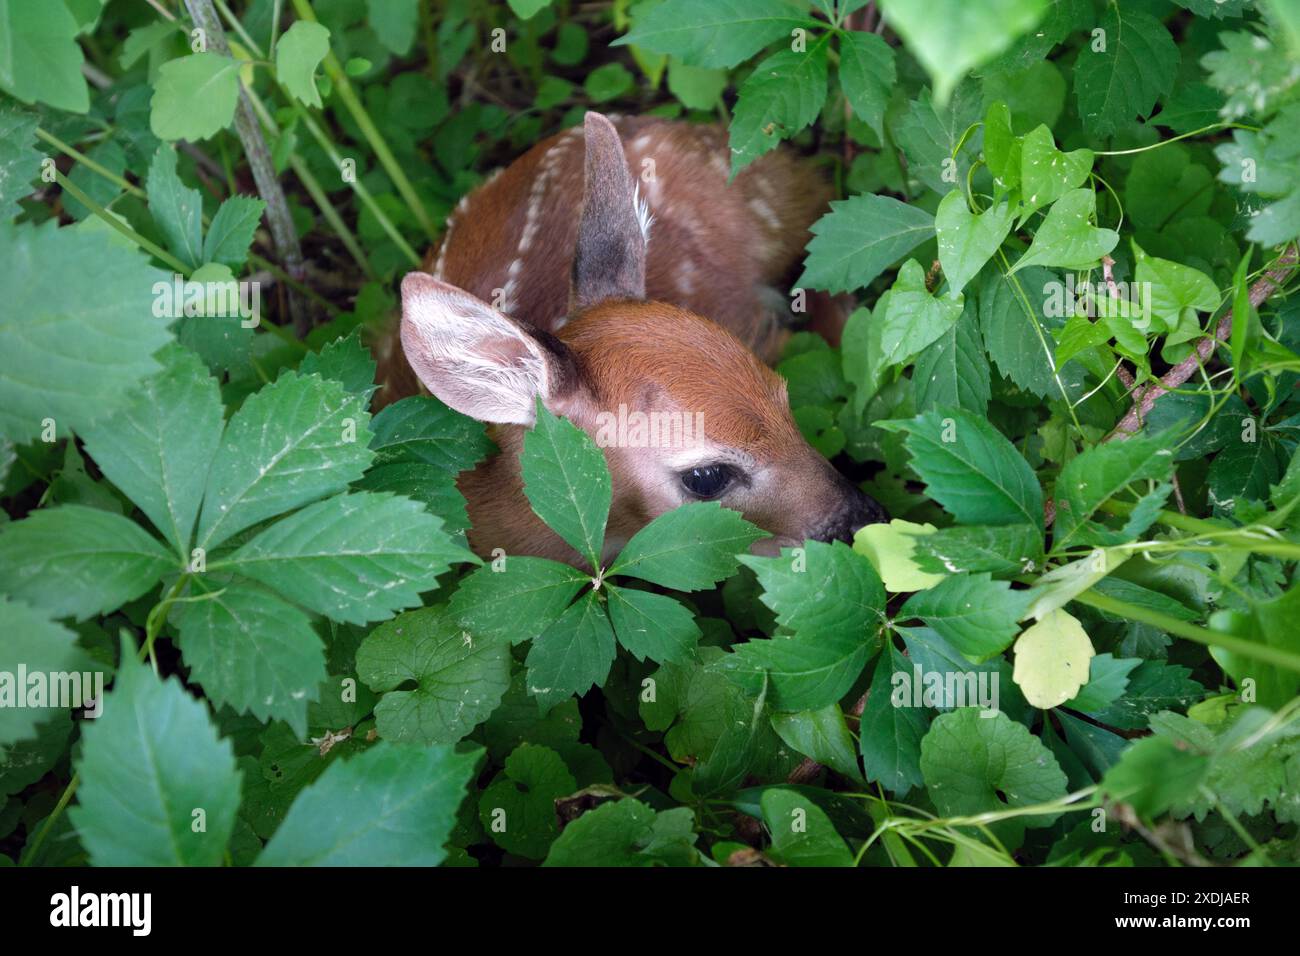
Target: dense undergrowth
<point>1076,644</point>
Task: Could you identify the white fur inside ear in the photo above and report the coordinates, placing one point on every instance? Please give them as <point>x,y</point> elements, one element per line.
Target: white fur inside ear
<point>474,358</point>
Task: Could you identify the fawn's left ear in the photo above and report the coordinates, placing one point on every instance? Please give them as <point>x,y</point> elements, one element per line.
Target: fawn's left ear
<point>609,261</point>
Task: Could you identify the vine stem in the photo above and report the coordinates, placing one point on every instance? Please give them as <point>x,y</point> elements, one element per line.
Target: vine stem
<point>371,132</point>
<point>121,227</point>
<point>34,847</point>
<point>283,233</point>
<point>1260,291</point>
<point>1260,652</point>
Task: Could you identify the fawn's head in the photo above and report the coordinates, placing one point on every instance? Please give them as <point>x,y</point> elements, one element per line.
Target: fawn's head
<point>682,409</point>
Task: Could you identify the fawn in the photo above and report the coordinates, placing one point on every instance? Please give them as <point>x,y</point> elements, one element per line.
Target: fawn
<point>534,294</point>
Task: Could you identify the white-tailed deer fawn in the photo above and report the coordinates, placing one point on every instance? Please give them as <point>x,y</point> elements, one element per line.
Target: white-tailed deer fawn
<point>547,285</point>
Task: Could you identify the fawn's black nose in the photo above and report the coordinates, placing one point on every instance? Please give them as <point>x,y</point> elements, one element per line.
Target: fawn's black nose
<point>855,509</point>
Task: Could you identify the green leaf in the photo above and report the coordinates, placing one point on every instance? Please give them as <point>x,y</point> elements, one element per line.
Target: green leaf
<point>1067,237</point>
<point>621,832</point>
<point>1153,774</point>
<point>860,238</point>
<point>152,768</point>
<point>937,139</point>
<point>177,209</point>
<point>395,21</point>
<point>345,360</point>
<point>392,805</point>
<point>952,37</point>
<point>1107,680</point>
<point>1153,686</point>
<point>1052,659</point>
<point>1178,292</point>
<point>458,680</point>
<point>891,730</point>
<point>73,341</point>
<point>231,233</point>
<point>1015,324</point>
<point>974,613</point>
<point>298,439</point>
<point>572,655</point>
<point>974,763</point>
<point>833,638</point>
<point>517,600</point>
<point>1271,623</point>
<point>420,446</point>
<point>907,319</point>
<point>697,87</point>
<point>75,561</point>
<point>19,160</point>
<point>40,60</point>
<point>194,97</point>
<point>1121,82</point>
<point>298,53</point>
<point>784,94</point>
<point>1046,173</point>
<point>822,735</point>
<point>651,625</point>
<point>607,82</point>
<point>567,482</point>
<point>966,240</point>
<point>354,558</point>
<point>1101,472</point>
<point>1002,550</point>
<point>252,651</point>
<point>867,76</point>
<point>517,809</point>
<point>802,834</point>
<point>690,548</point>
<point>721,33</point>
<point>971,469</point>
<point>40,645</point>
<point>157,450</point>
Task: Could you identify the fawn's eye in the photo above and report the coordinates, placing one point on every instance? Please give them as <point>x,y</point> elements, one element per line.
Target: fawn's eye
<point>708,481</point>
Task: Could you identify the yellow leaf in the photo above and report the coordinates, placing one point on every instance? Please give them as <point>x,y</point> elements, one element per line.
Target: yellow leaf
<point>889,548</point>
<point>1052,659</point>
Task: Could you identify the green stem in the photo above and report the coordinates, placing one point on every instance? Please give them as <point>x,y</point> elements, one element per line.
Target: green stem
<point>368,129</point>
<point>34,847</point>
<point>1192,632</point>
<point>149,247</point>
<point>89,163</point>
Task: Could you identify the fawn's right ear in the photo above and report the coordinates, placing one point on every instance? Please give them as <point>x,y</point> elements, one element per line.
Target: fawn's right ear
<point>609,261</point>
<point>478,360</point>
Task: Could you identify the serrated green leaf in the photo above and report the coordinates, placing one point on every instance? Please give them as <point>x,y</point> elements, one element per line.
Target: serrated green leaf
<point>176,208</point>
<point>252,651</point>
<point>75,561</point>
<point>1121,82</point>
<point>517,601</point>
<point>859,239</point>
<point>721,33</point>
<point>157,450</point>
<point>151,767</point>
<point>19,160</point>
<point>393,805</point>
<point>651,625</point>
<point>971,469</point>
<point>354,558</point>
<point>571,655</point>
<point>867,76</point>
<point>567,483</point>
<point>1101,472</point>
<point>891,728</point>
<point>1107,680</point>
<point>39,645</point>
<point>783,94</point>
<point>974,613</point>
<point>297,440</point>
<point>689,548</point>
<point>1001,550</point>
<point>73,342</point>
<point>231,233</point>
<point>1152,686</point>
